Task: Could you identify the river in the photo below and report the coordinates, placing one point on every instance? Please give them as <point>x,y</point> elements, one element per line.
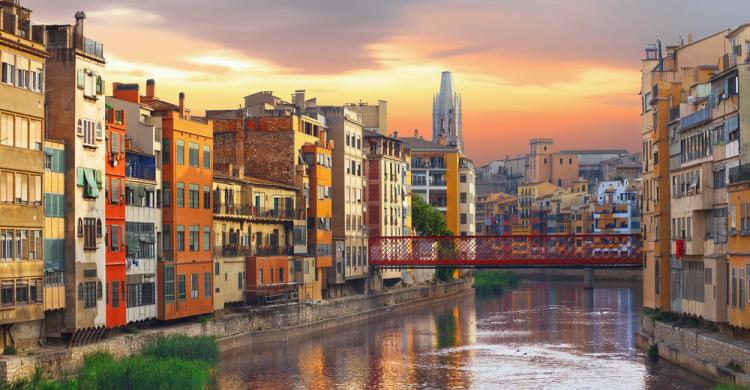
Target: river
<point>542,335</point>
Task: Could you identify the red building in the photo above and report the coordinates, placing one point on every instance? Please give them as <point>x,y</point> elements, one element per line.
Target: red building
<point>115,218</point>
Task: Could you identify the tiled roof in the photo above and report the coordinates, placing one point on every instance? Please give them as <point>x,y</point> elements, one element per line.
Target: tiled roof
<point>421,143</point>
<point>159,105</point>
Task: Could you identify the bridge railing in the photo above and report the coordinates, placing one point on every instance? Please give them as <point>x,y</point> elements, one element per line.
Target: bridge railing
<point>595,250</point>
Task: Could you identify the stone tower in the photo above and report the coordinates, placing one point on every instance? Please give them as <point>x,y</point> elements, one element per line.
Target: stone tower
<point>446,114</point>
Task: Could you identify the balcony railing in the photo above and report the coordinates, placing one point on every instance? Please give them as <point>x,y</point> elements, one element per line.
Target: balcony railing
<point>93,47</point>
<point>280,250</point>
<point>229,250</point>
<point>257,212</point>
<point>739,173</point>
<point>695,118</point>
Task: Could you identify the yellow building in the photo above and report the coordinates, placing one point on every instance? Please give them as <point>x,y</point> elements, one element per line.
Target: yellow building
<point>527,197</point>
<point>738,305</point>
<point>22,116</point>
<point>254,228</point>
<point>437,172</point>
<point>54,229</point>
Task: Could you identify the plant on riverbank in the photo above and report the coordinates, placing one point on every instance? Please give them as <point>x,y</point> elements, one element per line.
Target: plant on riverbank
<point>9,350</point>
<point>429,221</point>
<point>171,362</point>
<point>201,348</point>
<point>653,352</point>
<point>734,366</point>
<point>494,282</point>
<point>729,387</point>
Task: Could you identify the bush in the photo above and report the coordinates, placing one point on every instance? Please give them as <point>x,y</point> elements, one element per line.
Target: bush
<point>178,346</point>
<point>132,329</point>
<point>9,350</point>
<point>653,352</point>
<point>734,366</point>
<point>102,371</point>
<point>494,282</point>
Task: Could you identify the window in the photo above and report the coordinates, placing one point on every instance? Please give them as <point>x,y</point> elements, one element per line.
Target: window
<point>90,232</point>
<point>115,294</point>
<point>166,194</point>
<point>89,294</point>
<point>207,238</point>
<point>86,129</point>
<point>169,283</point>
<point>181,289</point>
<point>115,237</point>
<point>180,238</point>
<point>463,197</point>
<point>36,293</point>
<point>8,68</point>
<point>180,152</point>
<point>166,152</point>
<point>463,219</point>
<point>193,154</point>
<point>6,293</point>
<point>194,286</point>
<point>22,292</point>
<point>194,196</point>
<point>180,195</point>
<point>207,197</point>
<point>194,238</point>
<point>167,239</point>
<point>206,157</point>
<point>207,284</point>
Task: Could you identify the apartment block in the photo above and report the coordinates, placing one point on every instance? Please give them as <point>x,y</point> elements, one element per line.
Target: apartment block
<point>256,228</point>
<point>496,214</point>
<point>54,233</point>
<point>185,274</point>
<point>76,115</point>
<point>22,56</point>
<point>466,197</point>
<point>618,207</point>
<point>143,200</point>
<point>528,193</point>
<point>287,143</point>
<point>114,225</point>
<point>345,129</point>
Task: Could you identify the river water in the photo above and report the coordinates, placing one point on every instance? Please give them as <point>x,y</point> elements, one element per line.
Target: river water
<point>542,335</point>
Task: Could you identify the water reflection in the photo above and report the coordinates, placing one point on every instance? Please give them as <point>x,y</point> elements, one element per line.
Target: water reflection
<point>542,335</point>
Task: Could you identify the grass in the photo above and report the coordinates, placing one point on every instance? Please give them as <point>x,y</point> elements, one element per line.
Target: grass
<point>170,362</point>
<point>494,282</point>
<point>729,387</point>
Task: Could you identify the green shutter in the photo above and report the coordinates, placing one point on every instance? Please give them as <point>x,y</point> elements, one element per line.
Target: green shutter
<point>98,174</point>
<point>80,173</point>
<point>81,79</point>
<point>92,187</point>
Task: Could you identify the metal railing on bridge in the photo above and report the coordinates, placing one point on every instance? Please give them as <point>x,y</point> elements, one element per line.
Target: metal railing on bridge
<point>520,251</point>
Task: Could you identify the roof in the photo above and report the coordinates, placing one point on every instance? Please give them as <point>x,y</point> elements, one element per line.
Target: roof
<point>421,143</point>
<point>594,151</point>
<point>158,104</point>
<point>737,30</point>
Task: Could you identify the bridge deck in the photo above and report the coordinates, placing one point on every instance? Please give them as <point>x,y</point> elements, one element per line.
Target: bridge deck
<point>528,251</point>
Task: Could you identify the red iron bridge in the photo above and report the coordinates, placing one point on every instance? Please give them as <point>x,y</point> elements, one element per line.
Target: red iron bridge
<point>523,251</point>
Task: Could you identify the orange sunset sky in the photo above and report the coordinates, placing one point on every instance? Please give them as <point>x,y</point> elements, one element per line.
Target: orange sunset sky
<point>566,69</point>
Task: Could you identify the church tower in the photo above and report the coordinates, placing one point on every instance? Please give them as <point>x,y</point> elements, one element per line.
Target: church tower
<point>446,114</point>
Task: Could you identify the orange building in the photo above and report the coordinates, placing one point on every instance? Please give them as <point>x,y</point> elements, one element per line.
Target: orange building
<point>185,271</point>
<point>115,218</point>
<point>320,210</point>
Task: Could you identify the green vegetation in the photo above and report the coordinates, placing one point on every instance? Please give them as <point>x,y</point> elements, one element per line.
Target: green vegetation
<point>9,350</point>
<point>171,362</point>
<point>729,387</point>
<point>680,320</point>
<point>429,221</point>
<point>734,366</point>
<point>653,352</point>
<point>494,282</point>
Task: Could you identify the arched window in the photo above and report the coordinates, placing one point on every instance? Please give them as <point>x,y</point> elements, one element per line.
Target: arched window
<point>281,275</point>
<point>99,292</point>
<point>98,227</point>
<point>347,139</point>
<point>570,161</point>
<point>79,128</point>
<point>79,230</point>
<point>99,131</point>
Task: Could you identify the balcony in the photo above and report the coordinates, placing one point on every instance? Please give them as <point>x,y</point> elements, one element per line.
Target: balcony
<point>739,174</point>
<point>248,211</point>
<point>140,166</point>
<point>695,118</point>
<point>280,250</point>
<point>93,47</point>
<point>231,250</point>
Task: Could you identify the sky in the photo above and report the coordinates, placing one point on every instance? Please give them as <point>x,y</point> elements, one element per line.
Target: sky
<point>565,69</point>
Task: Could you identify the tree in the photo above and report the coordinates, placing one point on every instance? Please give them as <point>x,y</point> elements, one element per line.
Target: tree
<point>429,221</point>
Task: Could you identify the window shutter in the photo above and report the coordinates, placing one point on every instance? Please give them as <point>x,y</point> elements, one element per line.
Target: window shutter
<point>99,85</point>
<point>81,79</point>
<point>79,176</point>
<point>98,174</point>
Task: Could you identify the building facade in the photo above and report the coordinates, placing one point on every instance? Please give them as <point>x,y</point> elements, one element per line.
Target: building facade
<point>22,53</point>
<point>560,169</point>
<point>114,225</point>
<point>76,115</point>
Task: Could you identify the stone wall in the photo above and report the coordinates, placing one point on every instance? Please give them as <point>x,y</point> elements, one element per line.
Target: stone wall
<point>704,352</point>
<point>236,329</point>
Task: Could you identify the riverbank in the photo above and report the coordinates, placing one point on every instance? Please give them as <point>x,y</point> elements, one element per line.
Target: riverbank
<point>233,330</point>
<point>708,353</point>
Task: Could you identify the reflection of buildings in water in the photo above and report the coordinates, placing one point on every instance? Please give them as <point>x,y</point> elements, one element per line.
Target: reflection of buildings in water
<point>312,370</point>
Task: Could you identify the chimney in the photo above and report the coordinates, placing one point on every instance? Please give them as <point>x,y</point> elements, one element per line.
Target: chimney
<point>298,98</point>
<point>182,104</point>
<point>78,30</point>
<point>416,133</point>
<point>151,88</point>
